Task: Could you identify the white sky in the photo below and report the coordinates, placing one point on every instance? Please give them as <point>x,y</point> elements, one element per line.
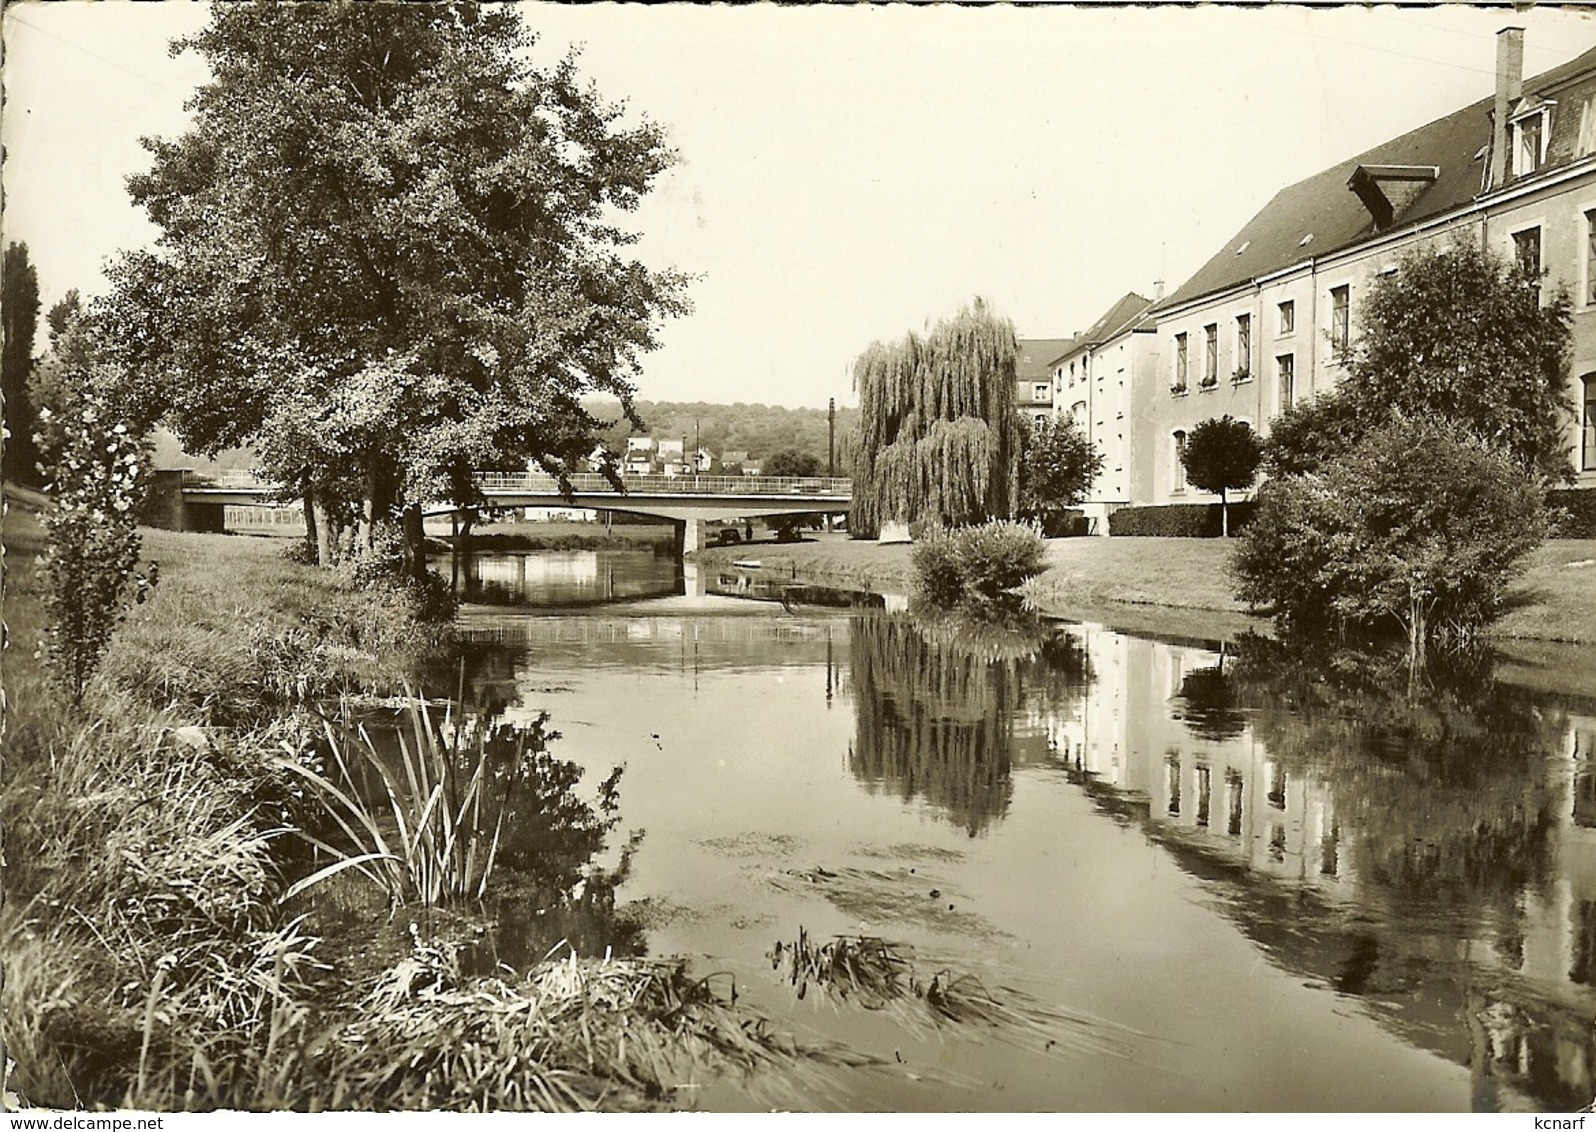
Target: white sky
<point>848,173</point>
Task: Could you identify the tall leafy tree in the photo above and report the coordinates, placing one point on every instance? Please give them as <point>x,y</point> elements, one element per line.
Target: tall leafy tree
<point>391,252</point>
<point>19,312</point>
<point>1457,333</point>
<point>1222,455</point>
<point>1058,465</point>
<point>939,438</point>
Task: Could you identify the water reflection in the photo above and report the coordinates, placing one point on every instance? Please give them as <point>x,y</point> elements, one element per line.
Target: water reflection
<point>1422,855</point>
<point>940,708</point>
<point>563,578</point>
<point>1425,849</point>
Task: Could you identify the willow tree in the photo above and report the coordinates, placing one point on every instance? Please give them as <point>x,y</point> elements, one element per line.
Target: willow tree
<point>939,438</point>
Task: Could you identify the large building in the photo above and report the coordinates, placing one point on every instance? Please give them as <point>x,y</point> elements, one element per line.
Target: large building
<point>1102,381</point>
<point>1260,325</point>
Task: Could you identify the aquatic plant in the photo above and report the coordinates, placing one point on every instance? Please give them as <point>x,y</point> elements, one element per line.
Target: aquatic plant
<point>880,975</point>
<point>441,817</point>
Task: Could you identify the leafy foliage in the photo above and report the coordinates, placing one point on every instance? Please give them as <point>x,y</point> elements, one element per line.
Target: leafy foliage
<point>939,439</point>
<point>389,254</point>
<point>1459,334</point>
<point>1420,524</point>
<point>93,464</point>
<point>1222,455</point>
<point>791,462</point>
<point>1058,465</point>
<point>976,565</point>
<point>19,311</point>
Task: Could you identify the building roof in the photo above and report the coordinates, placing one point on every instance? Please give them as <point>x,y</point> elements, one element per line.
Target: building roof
<point>1126,314</point>
<point>1323,214</point>
<point>1037,355</point>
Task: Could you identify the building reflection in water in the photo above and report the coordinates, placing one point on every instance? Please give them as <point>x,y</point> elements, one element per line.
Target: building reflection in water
<point>1433,854</point>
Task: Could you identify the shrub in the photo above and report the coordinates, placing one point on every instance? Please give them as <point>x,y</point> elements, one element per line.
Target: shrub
<point>1178,520</point>
<point>976,565</point>
<point>1571,513</point>
<point>937,577</point>
<point>1419,525</point>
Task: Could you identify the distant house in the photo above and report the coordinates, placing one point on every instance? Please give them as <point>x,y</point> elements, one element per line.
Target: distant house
<point>732,461</point>
<point>705,460</point>
<point>752,467</point>
<point>1033,376</point>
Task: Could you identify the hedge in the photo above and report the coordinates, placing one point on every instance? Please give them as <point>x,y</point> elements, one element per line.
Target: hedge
<point>1177,520</point>
<point>1571,513</point>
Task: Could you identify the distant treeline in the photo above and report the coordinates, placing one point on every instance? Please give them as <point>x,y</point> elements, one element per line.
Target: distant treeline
<point>759,430</point>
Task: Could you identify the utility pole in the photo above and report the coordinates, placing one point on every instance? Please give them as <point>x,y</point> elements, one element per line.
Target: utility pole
<point>697,448</point>
<point>831,437</point>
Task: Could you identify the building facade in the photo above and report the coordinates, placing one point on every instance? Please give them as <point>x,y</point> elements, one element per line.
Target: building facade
<point>1102,383</point>
<point>1264,322</point>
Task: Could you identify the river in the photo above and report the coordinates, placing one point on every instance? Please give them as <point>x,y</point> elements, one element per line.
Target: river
<point>1196,880</point>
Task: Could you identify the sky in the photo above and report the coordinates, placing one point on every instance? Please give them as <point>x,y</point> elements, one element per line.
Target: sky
<point>848,173</point>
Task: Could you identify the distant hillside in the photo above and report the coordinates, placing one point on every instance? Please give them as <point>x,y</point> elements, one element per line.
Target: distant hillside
<point>759,430</point>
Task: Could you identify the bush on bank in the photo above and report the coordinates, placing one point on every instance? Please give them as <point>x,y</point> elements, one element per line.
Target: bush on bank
<point>976,565</point>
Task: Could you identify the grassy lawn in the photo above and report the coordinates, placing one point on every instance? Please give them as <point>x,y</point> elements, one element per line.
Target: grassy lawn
<point>1178,585</point>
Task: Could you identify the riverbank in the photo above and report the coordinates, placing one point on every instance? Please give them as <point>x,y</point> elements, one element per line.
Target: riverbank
<point>153,951</point>
<point>1175,586</point>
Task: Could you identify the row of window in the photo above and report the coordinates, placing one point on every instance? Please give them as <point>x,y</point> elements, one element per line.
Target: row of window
<point>1340,336</point>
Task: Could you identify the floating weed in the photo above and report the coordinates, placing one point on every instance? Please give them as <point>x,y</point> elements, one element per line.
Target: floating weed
<point>879,975</point>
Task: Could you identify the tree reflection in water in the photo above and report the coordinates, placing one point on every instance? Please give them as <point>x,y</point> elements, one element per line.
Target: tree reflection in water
<point>936,700</point>
<point>1449,830</point>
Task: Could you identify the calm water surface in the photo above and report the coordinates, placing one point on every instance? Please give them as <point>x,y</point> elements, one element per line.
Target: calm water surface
<point>1222,883</point>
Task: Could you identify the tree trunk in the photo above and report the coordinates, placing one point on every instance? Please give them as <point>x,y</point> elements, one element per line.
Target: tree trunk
<point>326,533</point>
<point>414,541</point>
<point>1224,514</point>
<point>312,543</point>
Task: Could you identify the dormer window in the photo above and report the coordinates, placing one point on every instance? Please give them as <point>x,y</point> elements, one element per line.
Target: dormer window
<point>1531,131</point>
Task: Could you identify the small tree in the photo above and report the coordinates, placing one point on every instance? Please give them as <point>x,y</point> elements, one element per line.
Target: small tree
<point>791,462</point>
<point>1421,524</point>
<point>19,313</point>
<point>1058,465</point>
<point>1222,455</point>
<point>93,464</point>
<point>1462,335</point>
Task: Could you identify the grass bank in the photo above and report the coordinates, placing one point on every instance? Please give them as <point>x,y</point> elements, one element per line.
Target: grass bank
<point>153,951</point>
<point>1177,586</point>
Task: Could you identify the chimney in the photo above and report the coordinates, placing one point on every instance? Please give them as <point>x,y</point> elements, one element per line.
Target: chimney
<point>1509,85</point>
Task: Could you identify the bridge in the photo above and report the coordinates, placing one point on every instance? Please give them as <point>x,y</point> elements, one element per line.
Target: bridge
<point>188,501</point>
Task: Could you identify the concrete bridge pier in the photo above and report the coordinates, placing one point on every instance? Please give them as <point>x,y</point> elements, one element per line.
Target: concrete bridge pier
<point>689,536</point>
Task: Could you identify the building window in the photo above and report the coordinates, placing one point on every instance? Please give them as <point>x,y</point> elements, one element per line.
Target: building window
<point>1529,143</point>
<point>1587,446</point>
<point>1040,391</point>
<point>1233,803</point>
<point>1288,317</point>
<point>1078,412</point>
<point>1586,144</point>
<point>1243,347</point>
<point>1179,480</point>
<point>1340,316</point>
<point>1277,786</point>
<point>1527,251</point>
<point>1590,256</point>
<point>1172,764</point>
<point>1204,792</point>
<point>1286,371</point>
<point>1181,362</point>
<point>1210,355</point>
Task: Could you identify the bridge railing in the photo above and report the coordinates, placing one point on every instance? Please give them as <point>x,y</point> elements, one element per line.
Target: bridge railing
<point>535,483</point>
